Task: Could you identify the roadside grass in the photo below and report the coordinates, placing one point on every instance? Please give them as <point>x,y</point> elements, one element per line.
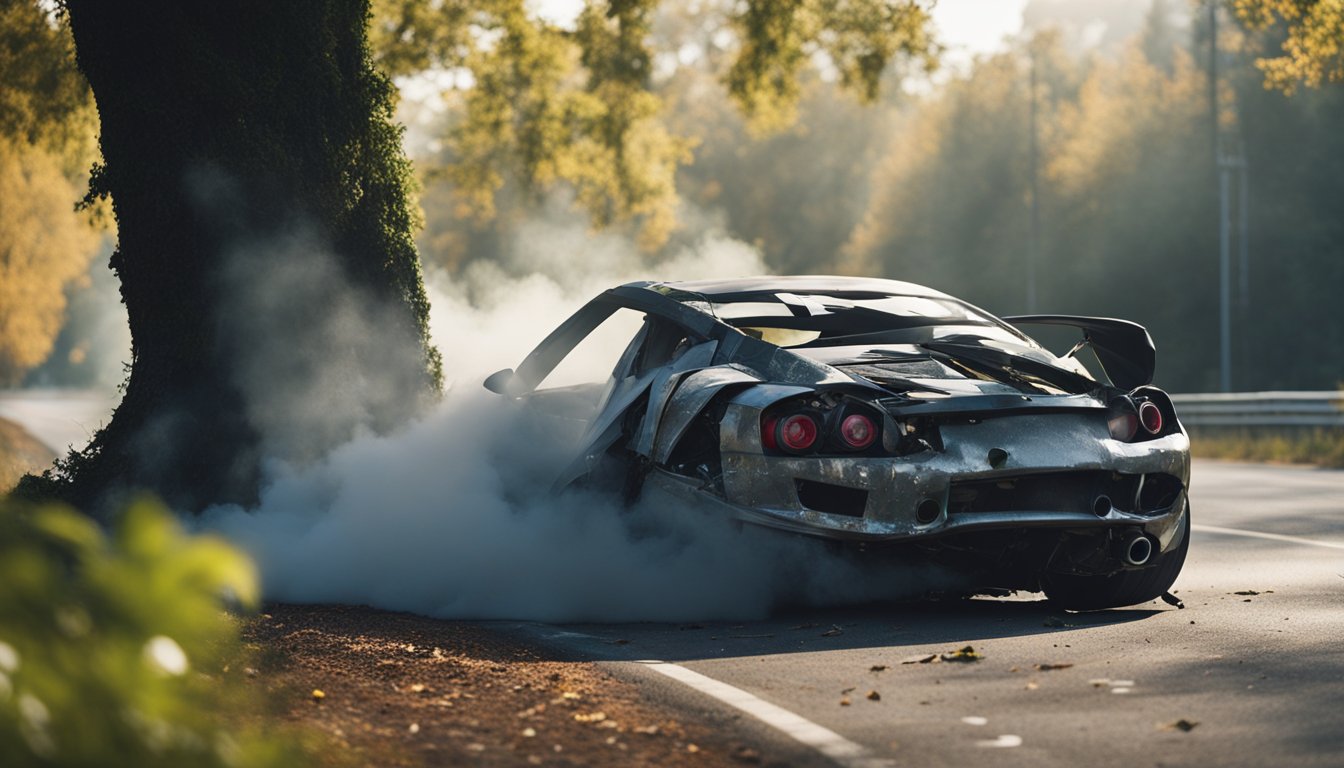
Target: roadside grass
<point>1322,447</point>
<point>20,454</point>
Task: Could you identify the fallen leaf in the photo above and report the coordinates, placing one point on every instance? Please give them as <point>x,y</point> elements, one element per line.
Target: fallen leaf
<point>844,702</point>
<point>529,733</point>
<point>847,690</point>
<point>692,748</point>
<point>418,688</point>
<point>1048,667</point>
<point>318,695</point>
<point>592,717</point>
<point>647,730</point>
<point>1032,685</point>
<point>569,695</point>
<point>874,696</point>
<point>1242,592</point>
<point>1182,725</point>
<point>877,668</point>
<point>925,659</point>
<point>963,654</point>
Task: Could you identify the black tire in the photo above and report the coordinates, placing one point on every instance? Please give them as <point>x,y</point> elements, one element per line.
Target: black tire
<point>1130,587</point>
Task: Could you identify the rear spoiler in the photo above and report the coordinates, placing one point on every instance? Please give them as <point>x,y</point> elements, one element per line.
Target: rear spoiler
<point>1124,349</point>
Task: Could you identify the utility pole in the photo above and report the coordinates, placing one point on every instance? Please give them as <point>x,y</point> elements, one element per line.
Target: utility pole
<point>1223,169</point>
<point>1033,250</point>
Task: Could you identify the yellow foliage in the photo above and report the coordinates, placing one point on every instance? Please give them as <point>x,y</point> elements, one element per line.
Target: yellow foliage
<point>1313,52</point>
<point>44,246</point>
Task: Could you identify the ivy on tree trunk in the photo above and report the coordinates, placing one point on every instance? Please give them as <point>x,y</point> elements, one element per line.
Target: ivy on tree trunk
<point>265,243</point>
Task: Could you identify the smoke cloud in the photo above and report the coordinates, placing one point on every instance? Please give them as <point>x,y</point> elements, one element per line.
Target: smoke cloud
<point>453,516</point>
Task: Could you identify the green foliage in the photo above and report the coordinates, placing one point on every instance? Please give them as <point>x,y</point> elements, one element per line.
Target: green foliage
<point>112,648</point>
<point>860,37</point>
<point>580,108</point>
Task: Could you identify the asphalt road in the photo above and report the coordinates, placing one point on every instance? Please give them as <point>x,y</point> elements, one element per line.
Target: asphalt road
<point>1259,676</point>
<point>1250,672</point>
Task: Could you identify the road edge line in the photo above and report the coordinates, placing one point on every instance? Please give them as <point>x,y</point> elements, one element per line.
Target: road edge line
<point>824,740</point>
<point>1262,535</point>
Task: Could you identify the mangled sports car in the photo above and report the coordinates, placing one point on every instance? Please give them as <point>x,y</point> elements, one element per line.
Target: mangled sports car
<point>889,415</point>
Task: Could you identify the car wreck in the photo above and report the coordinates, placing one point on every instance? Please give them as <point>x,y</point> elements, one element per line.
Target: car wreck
<point>890,416</point>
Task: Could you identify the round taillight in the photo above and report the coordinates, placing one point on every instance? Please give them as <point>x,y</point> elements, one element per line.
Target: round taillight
<point>1150,416</point>
<point>858,431</point>
<point>796,433</point>
<point>1122,419</point>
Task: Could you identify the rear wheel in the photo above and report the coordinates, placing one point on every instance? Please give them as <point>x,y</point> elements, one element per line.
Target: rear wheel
<point>1129,587</point>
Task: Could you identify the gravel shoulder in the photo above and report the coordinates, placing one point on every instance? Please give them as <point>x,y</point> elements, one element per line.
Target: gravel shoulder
<point>401,690</point>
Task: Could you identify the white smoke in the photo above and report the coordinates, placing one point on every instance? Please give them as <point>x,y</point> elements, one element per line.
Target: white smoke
<point>453,516</point>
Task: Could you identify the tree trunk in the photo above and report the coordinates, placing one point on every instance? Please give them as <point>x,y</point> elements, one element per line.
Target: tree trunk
<point>265,243</point>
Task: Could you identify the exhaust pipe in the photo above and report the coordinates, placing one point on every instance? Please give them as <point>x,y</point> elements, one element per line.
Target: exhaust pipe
<point>1101,506</point>
<point>1135,548</point>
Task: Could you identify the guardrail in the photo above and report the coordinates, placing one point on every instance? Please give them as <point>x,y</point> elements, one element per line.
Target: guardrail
<point>1261,409</point>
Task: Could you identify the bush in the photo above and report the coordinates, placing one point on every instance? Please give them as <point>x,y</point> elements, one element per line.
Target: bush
<point>113,647</point>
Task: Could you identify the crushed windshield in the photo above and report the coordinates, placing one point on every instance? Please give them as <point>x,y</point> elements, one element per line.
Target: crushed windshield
<point>817,320</point>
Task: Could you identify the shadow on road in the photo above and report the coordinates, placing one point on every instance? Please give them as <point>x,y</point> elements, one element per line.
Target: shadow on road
<point>916,627</point>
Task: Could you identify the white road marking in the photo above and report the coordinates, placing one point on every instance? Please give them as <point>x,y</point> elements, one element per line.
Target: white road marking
<point>1262,535</point>
<point>824,740</point>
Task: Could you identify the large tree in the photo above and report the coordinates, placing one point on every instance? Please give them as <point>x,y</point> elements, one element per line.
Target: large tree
<point>265,252</point>
<point>262,197</point>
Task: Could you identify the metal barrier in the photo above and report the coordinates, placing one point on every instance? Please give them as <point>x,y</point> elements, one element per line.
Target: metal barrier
<point>1261,409</point>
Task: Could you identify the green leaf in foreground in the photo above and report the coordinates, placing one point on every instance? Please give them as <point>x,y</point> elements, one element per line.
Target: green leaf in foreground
<point>112,648</point>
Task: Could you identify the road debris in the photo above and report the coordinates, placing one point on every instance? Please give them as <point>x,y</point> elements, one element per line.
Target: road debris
<point>874,696</point>
<point>746,755</point>
<point>922,659</point>
<point>975,720</point>
<point>1171,599</point>
<point>1048,667</point>
<point>318,695</point>
<point>878,668</point>
<point>833,631</point>
<point>591,717</point>
<point>1183,725</point>
<point>962,655</point>
<point>844,701</point>
<point>1004,740</point>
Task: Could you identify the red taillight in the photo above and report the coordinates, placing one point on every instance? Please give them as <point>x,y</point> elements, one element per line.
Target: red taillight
<point>1150,416</point>
<point>858,431</point>
<point>796,433</point>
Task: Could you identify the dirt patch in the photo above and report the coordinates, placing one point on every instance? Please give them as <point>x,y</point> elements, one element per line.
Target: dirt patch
<point>403,690</point>
<point>20,453</point>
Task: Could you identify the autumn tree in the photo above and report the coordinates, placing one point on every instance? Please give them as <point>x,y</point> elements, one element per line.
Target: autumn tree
<point>1312,52</point>
<point>47,124</point>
